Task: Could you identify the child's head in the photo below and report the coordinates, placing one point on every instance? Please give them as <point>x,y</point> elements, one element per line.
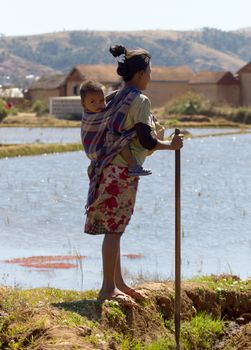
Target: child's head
<point>92,96</point>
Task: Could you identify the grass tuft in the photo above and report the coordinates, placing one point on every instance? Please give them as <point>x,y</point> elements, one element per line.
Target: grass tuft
<point>201,332</point>
<point>224,282</point>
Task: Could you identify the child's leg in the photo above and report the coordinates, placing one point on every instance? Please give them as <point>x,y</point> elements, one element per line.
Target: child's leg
<point>128,157</point>
<point>134,169</point>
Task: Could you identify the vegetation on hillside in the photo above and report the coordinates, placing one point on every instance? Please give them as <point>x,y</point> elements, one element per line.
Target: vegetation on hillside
<point>61,51</point>
<point>234,42</point>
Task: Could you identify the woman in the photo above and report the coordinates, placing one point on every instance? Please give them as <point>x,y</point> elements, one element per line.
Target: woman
<point>110,212</point>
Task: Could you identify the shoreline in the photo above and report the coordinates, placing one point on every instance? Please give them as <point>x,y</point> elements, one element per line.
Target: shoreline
<point>215,315</point>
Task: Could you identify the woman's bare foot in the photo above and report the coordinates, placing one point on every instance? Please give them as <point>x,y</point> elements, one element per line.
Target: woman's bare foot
<point>135,294</point>
<point>118,296</point>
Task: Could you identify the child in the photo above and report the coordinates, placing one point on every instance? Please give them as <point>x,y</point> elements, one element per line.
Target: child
<point>93,101</point>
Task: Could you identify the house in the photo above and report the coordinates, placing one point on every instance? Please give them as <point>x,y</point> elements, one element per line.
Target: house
<point>219,87</point>
<point>69,84</point>
<point>46,87</point>
<point>68,103</point>
<point>244,75</point>
<point>105,74</point>
<point>166,83</point>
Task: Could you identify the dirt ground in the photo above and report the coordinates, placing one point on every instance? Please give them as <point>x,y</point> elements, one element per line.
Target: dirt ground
<point>77,322</point>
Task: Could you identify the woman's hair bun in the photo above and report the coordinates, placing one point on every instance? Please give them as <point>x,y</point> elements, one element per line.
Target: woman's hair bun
<point>117,50</point>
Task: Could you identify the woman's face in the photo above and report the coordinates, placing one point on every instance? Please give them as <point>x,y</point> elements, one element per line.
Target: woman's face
<point>144,77</point>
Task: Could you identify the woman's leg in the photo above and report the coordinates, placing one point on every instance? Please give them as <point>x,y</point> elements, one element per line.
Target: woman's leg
<point>121,284</point>
<point>110,253</point>
<point>119,281</point>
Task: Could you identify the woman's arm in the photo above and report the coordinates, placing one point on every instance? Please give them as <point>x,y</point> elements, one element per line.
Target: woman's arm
<point>175,144</point>
<point>152,143</point>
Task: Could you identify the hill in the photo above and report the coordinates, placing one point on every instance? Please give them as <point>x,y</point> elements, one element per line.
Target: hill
<point>205,49</point>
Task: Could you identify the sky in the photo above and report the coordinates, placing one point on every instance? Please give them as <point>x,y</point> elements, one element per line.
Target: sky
<point>27,17</point>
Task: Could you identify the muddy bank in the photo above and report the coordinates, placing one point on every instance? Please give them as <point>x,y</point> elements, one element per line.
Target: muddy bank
<point>216,314</point>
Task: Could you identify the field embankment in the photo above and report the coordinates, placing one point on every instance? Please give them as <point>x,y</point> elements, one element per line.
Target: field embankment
<point>8,151</point>
<point>31,120</point>
<point>215,315</point>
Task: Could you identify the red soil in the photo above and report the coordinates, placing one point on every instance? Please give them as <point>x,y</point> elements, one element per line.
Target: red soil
<point>47,262</point>
<point>133,256</point>
<point>49,265</point>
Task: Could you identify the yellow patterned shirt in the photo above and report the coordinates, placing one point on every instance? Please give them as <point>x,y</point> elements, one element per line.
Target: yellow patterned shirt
<point>139,112</point>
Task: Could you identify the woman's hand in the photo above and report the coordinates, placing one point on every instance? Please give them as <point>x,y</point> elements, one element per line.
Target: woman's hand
<point>176,142</point>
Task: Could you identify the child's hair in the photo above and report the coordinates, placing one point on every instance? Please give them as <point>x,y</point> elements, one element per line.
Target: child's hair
<point>130,61</point>
<point>90,86</point>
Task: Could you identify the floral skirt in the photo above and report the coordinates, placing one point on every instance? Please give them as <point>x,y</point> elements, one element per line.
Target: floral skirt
<point>113,208</point>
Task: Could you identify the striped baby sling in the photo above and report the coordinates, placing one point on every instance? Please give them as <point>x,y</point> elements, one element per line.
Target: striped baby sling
<point>103,136</point>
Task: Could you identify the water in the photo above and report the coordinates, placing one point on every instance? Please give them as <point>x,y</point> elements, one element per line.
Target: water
<point>204,131</point>
<point>66,135</point>
<point>41,213</point>
<point>39,135</point>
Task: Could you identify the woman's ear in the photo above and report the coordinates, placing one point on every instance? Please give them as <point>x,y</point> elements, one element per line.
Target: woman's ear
<point>139,74</point>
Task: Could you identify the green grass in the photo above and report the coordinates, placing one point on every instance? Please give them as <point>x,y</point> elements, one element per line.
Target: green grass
<point>227,283</point>
<point>8,151</point>
<point>201,332</point>
<point>31,311</point>
<point>189,103</point>
<point>193,104</point>
<point>27,314</point>
<point>166,343</point>
<point>198,333</point>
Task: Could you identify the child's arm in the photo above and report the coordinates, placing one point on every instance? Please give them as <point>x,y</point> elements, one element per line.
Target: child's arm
<point>159,130</point>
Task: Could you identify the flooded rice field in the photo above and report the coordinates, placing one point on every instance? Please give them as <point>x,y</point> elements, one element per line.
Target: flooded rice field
<point>42,216</point>
<point>39,135</point>
<point>68,135</point>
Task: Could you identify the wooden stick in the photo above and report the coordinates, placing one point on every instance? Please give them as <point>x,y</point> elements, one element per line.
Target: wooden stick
<point>177,307</point>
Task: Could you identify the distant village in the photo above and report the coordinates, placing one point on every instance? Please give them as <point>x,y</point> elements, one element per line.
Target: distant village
<point>61,92</point>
